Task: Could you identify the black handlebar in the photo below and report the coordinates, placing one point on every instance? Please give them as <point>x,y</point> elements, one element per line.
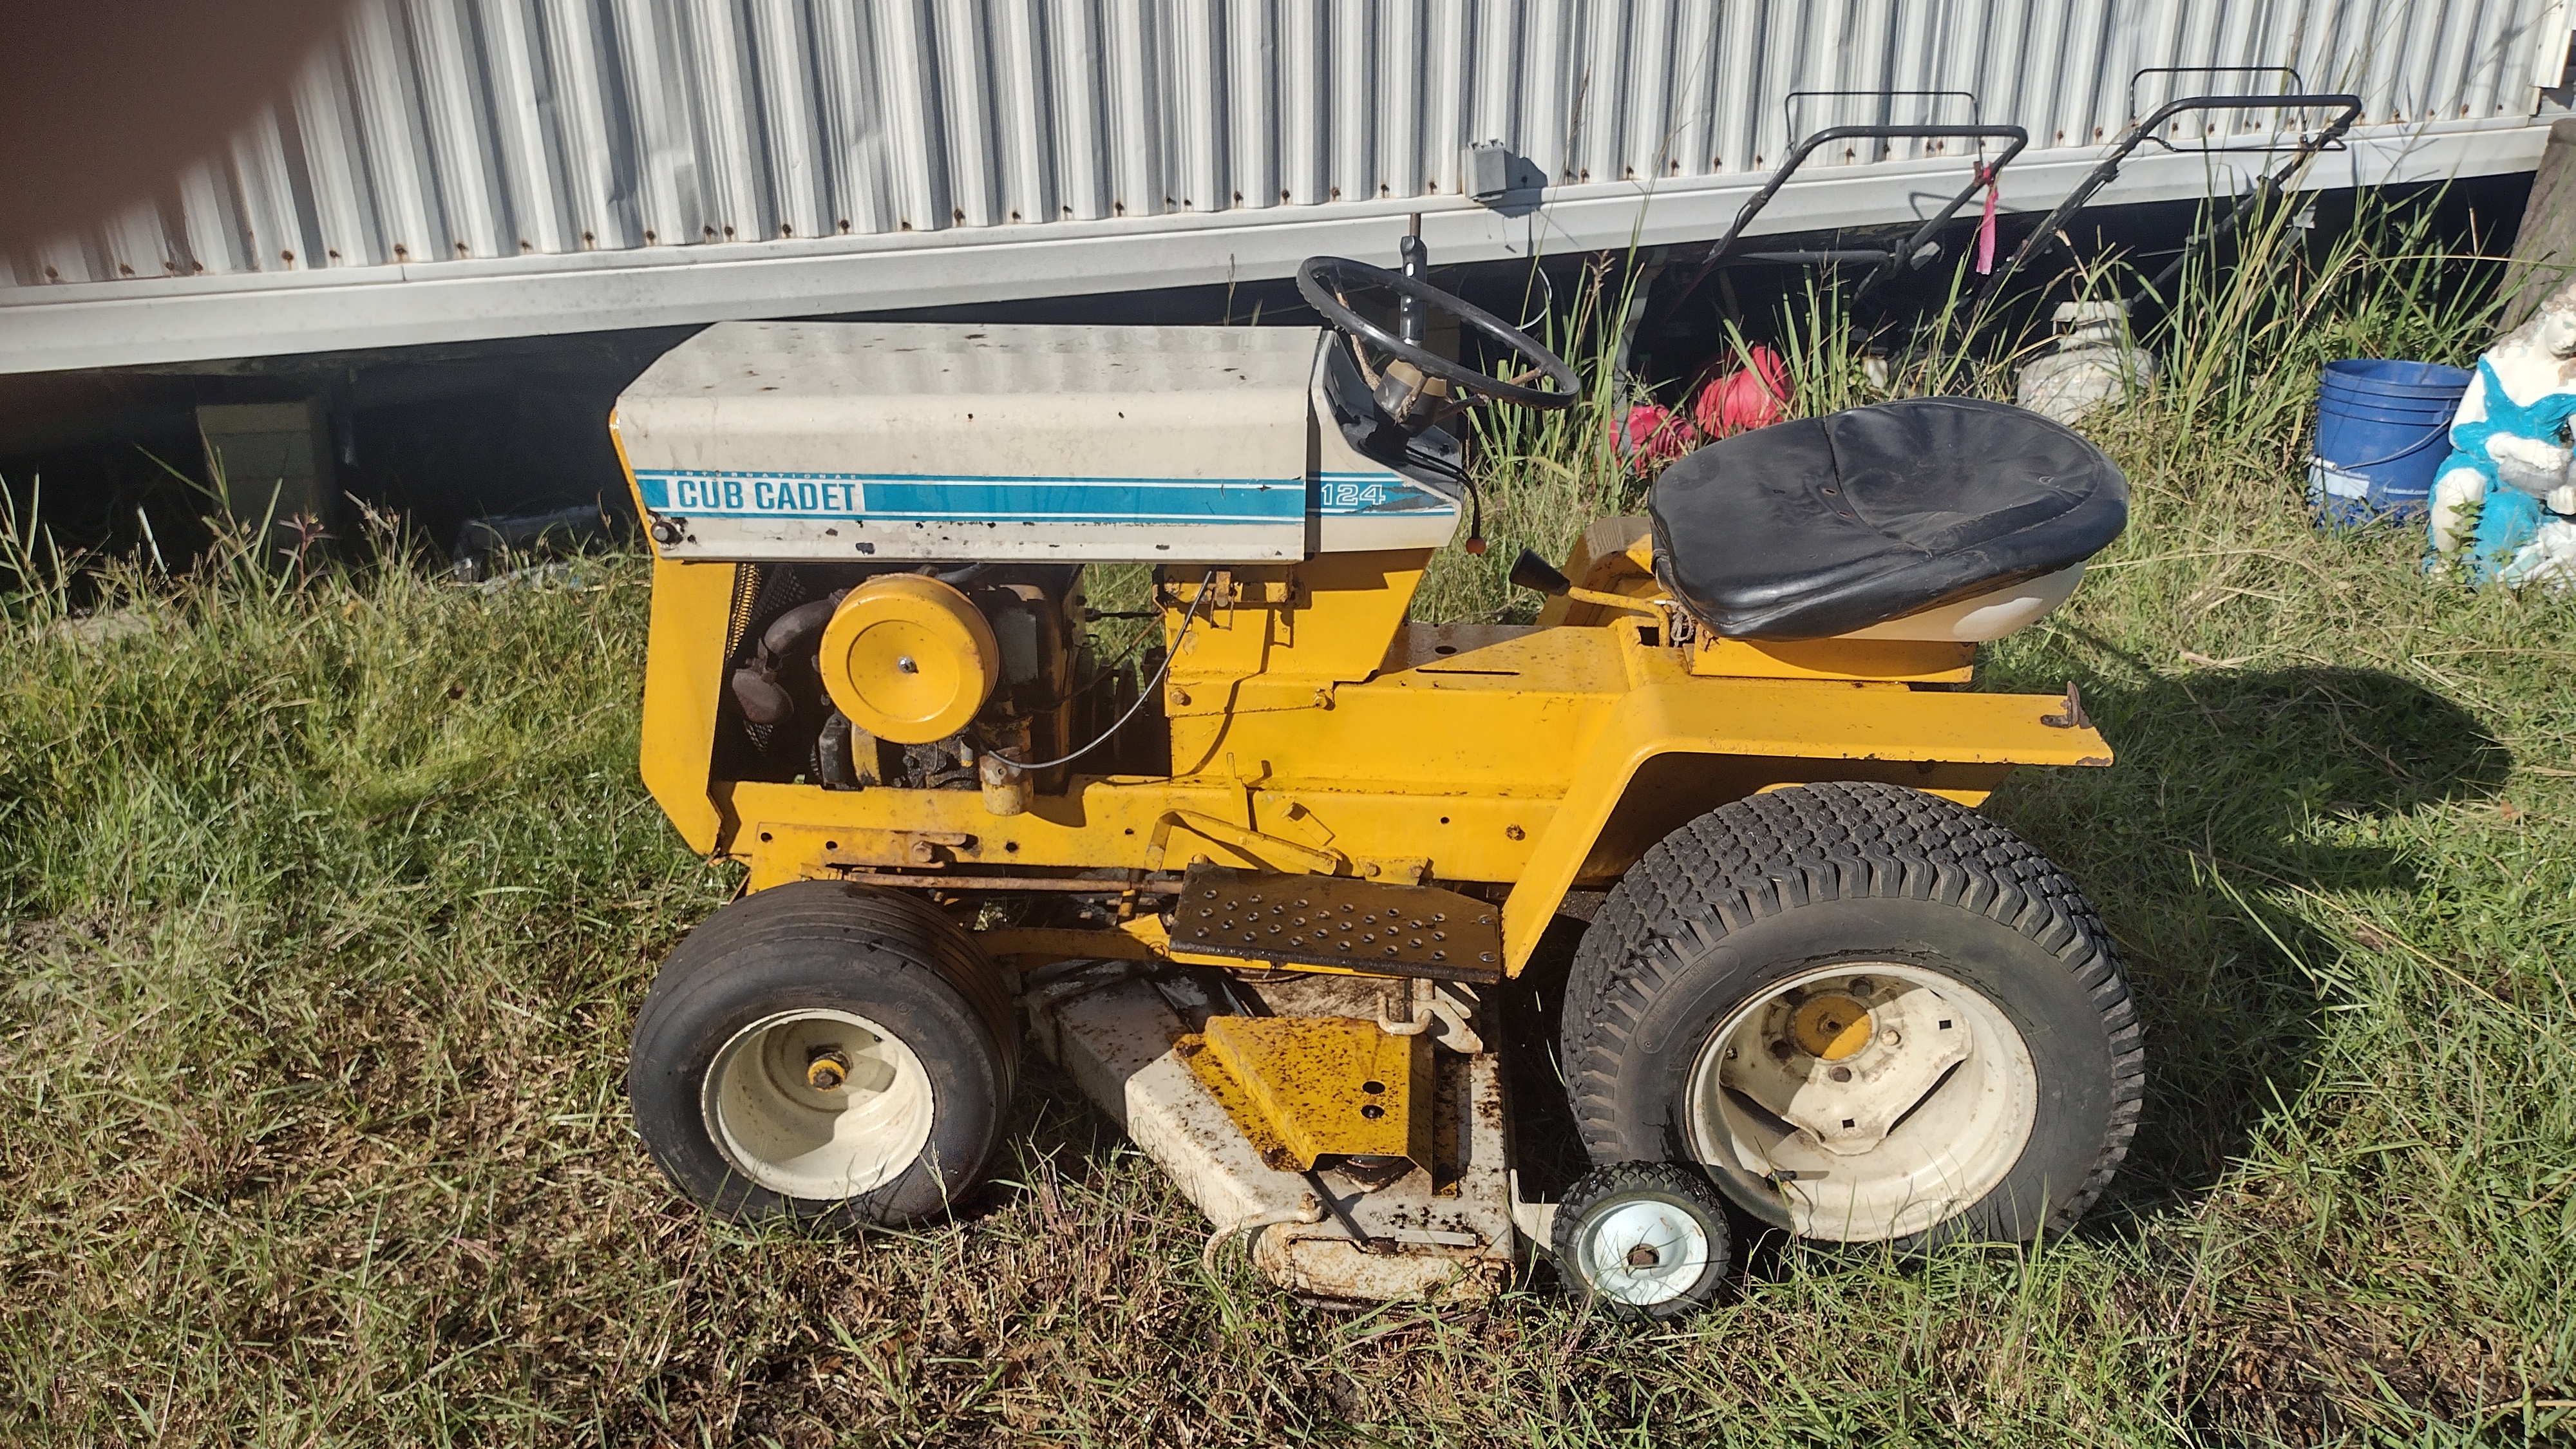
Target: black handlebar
<point>1892,260</point>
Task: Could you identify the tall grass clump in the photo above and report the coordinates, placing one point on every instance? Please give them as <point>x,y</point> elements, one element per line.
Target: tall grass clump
<point>1545,475</point>
<point>327,894</point>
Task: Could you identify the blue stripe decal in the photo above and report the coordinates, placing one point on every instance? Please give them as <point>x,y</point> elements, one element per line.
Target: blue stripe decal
<point>918,498</point>
<point>896,497</point>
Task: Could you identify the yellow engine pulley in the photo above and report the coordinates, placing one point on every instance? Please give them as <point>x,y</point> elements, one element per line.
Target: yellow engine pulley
<point>909,659</point>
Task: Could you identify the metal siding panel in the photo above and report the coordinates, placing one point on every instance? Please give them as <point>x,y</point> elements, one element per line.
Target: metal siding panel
<point>1691,82</point>
<point>1597,88</point>
<point>1348,116</point>
<point>2469,78</point>
<point>393,134</point>
<point>1195,51</point>
<point>2441,60</point>
<point>1643,45</point>
<point>1491,78</point>
<point>1024,110</point>
<point>1252,101</point>
<point>666,185</point>
<point>260,176</point>
<point>518,95</point>
<point>214,235</point>
<point>781,73</point>
<point>724,110</point>
<point>2484,63</point>
<point>1742,45</point>
<point>1082,110</point>
<point>2503,72</point>
<point>966,113</point>
<point>856,172</point>
<point>1305,104</point>
<point>570,125</point>
<point>589,132</point>
<point>131,243</point>
<point>446,50</point>
<point>907,78</point>
<point>1549,93</point>
<point>1133,146</point>
<point>67,258</point>
<point>1403,67</point>
<point>335,165</point>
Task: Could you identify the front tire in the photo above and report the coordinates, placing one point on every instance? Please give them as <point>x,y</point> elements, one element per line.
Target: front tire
<point>1641,1241</point>
<point>1869,1014</point>
<point>828,1052</point>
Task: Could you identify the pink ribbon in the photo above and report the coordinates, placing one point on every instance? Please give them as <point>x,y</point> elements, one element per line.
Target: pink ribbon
<point>1986,228</point>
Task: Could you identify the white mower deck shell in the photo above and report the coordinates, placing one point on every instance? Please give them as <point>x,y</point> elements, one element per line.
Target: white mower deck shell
<point>865,441</point>
<point>1113,1031</point>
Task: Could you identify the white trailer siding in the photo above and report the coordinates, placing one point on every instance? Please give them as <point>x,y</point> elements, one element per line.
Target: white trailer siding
<point>451,170</point>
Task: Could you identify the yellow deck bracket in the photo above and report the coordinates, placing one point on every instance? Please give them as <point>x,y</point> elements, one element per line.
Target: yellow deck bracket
<point>1302,1087</point>
<point>1251,842</point>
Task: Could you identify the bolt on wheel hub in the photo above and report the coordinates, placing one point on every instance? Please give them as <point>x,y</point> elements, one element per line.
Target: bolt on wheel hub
<point>1831,1027</point>
<point>820,1105</point>
<point>1873,1098</point>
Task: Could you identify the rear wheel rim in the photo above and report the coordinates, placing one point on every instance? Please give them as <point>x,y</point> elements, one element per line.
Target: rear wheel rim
<point>1642,1251</point>
<point>819,1105</point>
<point>1863,1101</point>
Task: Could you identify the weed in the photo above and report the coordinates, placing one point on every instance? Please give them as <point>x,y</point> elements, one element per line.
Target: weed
<point>326,898</point>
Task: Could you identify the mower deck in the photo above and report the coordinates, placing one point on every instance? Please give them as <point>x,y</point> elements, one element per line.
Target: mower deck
<point>1347,1231</point>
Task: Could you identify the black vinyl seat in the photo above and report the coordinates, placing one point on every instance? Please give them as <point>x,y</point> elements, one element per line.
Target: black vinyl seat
<point>1818,527</point>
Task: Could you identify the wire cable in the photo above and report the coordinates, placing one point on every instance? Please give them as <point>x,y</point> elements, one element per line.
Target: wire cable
<point>1434,463</point>
<point>1142,695</point>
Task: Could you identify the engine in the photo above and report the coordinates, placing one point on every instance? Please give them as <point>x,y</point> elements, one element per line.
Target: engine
<point>922,677</point>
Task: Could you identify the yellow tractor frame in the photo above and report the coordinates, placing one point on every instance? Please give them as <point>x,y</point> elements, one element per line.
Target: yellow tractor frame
<point>1315,729</point>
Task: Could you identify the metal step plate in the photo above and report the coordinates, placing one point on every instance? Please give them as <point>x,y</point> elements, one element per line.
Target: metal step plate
<point>1324,920</point>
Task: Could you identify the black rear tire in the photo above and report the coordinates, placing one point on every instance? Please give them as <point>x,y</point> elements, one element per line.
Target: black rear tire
<point>1782,898</point>
<point>1641,1241</point>
<point>793,975</point>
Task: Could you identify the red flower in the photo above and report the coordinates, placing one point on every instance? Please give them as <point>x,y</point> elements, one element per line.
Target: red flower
<point>1755,397</point>
<point>1656,434</point>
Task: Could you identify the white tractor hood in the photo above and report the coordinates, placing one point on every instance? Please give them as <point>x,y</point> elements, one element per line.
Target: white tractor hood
<point>851,441</point>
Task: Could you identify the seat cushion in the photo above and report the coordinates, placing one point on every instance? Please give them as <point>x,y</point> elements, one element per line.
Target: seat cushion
<point>1821,526</point>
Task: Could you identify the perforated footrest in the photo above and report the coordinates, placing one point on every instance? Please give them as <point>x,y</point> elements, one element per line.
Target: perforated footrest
<point>1322,920</point>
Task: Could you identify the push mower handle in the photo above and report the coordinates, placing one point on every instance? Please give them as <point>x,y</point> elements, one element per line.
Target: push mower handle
<point>1890,262</point>
<point>2017,136</point>
<point>2347,107</point>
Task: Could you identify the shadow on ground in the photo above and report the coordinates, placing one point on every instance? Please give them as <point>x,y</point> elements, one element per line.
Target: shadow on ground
<point>2236,792</point>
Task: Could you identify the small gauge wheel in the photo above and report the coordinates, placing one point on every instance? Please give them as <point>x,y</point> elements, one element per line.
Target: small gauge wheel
<point>1642,1241</point>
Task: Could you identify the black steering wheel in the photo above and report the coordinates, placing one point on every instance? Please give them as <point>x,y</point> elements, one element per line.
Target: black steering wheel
<point>1324,281</point>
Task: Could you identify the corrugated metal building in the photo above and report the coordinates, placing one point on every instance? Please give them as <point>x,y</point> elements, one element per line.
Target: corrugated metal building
<point>452,170</point>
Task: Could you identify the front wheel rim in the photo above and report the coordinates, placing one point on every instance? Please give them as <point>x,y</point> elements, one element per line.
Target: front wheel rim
<point>819,1105</point>
<point>1862,1101</point>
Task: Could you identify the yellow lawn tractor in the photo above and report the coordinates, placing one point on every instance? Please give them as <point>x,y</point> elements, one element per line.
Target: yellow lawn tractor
<point>1254,888</point>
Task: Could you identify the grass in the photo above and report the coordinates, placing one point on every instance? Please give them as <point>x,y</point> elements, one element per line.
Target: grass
<point>326,900</point>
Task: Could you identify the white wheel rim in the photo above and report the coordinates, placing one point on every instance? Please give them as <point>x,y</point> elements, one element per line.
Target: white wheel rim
<point>1642,1252</point>
<point>1863,1101</point>
<point>818,1143</point>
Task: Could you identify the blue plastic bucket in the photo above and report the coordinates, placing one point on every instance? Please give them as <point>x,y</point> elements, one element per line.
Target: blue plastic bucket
<point>2383,429</point>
